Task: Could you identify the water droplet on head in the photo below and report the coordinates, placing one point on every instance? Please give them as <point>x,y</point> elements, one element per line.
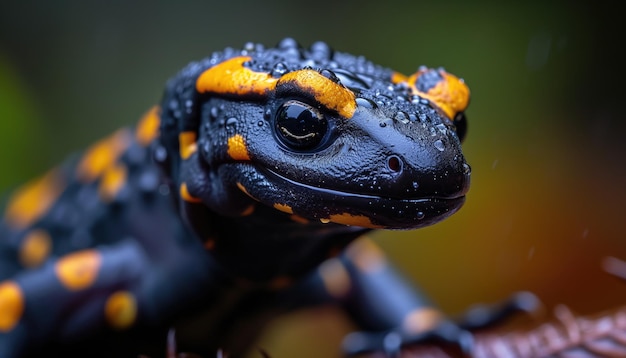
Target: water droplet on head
<point>439,145</point>
<point>420,215</point>
<point>365,103</point>
<point>231,121</point>
<point>402,117</point>
<point>279,69</point>
<point>214,112</point>
<point>321,51</point>
<point>330,75</point>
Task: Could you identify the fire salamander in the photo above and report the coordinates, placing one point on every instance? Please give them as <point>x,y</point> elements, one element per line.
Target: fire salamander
<point>238,198</point>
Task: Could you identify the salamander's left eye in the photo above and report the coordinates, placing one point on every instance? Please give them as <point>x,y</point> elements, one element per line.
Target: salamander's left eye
<point>300,126</point>
<point>460,122</point>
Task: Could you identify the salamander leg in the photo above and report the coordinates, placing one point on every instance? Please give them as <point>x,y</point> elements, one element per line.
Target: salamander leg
<point>394,313</point>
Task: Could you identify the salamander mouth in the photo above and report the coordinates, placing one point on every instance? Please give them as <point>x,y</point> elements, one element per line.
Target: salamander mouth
<point>357,209</point>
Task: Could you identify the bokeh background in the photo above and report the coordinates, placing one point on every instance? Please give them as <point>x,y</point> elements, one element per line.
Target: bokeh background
<point>546,124</point>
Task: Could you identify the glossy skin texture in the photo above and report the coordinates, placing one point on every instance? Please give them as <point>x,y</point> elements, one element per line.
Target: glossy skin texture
<point>236,199</point>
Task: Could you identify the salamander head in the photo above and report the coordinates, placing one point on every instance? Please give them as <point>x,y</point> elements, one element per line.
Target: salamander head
<point>319,135</point>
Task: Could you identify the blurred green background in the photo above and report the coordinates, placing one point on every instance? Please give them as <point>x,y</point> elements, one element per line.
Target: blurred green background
<point>546,124</point>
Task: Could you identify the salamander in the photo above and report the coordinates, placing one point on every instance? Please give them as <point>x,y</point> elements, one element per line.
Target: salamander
<point>246,193</point>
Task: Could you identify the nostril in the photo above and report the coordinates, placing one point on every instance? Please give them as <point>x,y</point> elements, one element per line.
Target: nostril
<point>394,163</point>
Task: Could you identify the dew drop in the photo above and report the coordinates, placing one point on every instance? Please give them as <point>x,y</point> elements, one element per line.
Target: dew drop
<point>279,69</point>
<point>402,117</point>
<point>231,121</point>
<point>439,145</point>
<point>365,103</point>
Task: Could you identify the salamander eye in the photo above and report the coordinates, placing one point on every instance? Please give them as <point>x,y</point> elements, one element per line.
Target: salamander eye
<point>300,126</point>
<point>460,122</point>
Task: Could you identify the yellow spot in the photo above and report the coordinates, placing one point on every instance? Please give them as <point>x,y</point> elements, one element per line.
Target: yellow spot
<point>284,208</point>
<point>184,193</point>
<point>421,320</point>
<point>102,155</point>
<point>113,180</point>
<point>324,220</point>
<point>232,78</point>
<point>11,305</point>
<point>451,94</point>
<point>237,148</point>
<point>280,282</point>
<point>33,200</point>
<point>335,278</point>
<point>330,94</point>
<point>299,219</point>
<point>79,270</point>
<point>397,77</point>
<point>366,255</point>
<point>353,220</point>
<point>187,144</point>
<point>248,211</point>
<point>148,128</point>
<point>120,309</point>
<point>35,248</point>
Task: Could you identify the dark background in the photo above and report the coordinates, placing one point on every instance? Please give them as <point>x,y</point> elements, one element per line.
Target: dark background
<point>546,135</point>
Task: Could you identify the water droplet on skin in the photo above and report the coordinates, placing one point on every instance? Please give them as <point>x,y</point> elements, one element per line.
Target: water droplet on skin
<point>439,145</point>
<point>416,185</point>
<point>442,128</point>
<point>231,121</point>
<point>420,215</point>
<point>402,117</point>
<point>249,46</point>
<point>214,112</point>
<point>279,69</point>
<point>365,103</point>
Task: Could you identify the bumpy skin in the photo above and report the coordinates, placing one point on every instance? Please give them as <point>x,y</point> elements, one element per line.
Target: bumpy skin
<point>236,199</point>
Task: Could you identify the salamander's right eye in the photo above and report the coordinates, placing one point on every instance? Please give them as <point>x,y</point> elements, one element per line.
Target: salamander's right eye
<point>300,126</point>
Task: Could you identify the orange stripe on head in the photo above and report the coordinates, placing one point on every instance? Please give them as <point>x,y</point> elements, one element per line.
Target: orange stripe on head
<point>187,144</point>
<point>450,94</point>
<point>397,77</point>
<point>148,128</point>
<point>11,305</point>
<point>33,200</point>
<point>330,94</point>
<point>102,155</point>
<point>231,77</point>
<point>79,270</point>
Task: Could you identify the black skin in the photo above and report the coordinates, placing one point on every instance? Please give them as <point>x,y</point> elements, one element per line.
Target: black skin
<point>400,171</point>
